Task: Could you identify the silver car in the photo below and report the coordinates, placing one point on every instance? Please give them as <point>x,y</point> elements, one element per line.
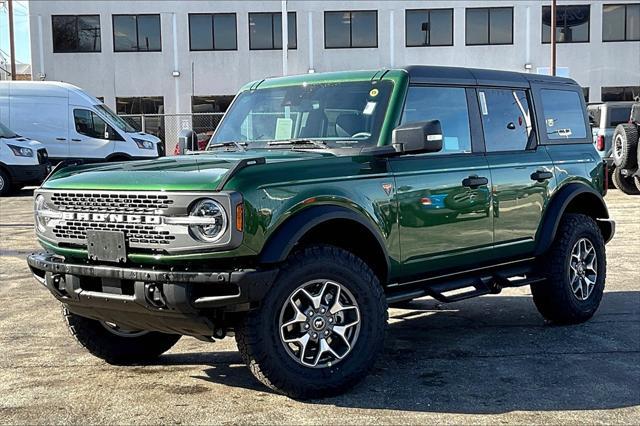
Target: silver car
<point>604,117</point>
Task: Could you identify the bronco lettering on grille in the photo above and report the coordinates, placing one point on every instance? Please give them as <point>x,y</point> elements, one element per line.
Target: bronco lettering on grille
<point>112,218</point>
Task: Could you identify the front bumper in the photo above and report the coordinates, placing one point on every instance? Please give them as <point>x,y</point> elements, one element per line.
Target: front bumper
<point>31,174</point>
<point>170,301</point>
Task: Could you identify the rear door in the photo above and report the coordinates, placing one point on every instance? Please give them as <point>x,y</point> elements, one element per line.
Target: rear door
<point>522,173</point>
<point>443,197</point>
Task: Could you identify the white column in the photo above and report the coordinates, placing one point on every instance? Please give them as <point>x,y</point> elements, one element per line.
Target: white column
<point>285,37</point>
<point>527,54</point>
<point>310,36</point>
<point>392,44</point>
<point>176,81</point>
<point>40,47</point>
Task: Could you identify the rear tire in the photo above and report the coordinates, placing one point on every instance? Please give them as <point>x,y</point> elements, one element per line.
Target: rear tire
<point>625,184</point>
<point>624,146</point>
<point>5,183</point>
<point>636,180</point>
<point>114,345</point>
<point>282,341</point>
<point>575,266</point>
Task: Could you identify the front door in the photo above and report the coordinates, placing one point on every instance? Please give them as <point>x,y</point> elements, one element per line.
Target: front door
<point>443,198</point>
<point>90,136</point>
<point>522,173</point>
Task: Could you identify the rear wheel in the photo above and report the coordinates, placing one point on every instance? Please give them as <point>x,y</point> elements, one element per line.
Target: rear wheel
<point>115,344</point>
<point>320,328</point>
<point>624,183</point>
<point>576,269</point>
<point>636,180</point>
<point>624,146</point>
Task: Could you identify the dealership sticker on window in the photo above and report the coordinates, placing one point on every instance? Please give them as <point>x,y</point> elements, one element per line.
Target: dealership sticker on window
<point>283,128</point>
<point>550,122</point>
<point>483,104</point>
<point>369,108</point>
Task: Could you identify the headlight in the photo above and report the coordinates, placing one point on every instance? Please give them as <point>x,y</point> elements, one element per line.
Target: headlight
<point>142,144</point>
<point>21,151</point>
<point>40,219</point>
<point>208,219</point>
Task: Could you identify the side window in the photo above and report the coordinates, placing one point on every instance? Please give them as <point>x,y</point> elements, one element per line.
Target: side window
<point>506,119</point>
<point>447,104</point>
<point>89,124</point>
<point>563,114</point>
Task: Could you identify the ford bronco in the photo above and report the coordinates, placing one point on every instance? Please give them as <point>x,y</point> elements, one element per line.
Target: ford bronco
<point>319,200</point>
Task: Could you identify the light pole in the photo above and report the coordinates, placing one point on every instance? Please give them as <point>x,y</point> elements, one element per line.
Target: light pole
<point>285,37</point>
<point>553,37</point>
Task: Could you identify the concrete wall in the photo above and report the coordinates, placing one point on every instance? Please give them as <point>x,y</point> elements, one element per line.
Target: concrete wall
<point>110,74</point>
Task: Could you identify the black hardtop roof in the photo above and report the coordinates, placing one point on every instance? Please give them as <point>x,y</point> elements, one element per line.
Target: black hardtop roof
<point>478,77</point>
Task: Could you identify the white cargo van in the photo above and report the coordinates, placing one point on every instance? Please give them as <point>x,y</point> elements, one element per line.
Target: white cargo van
<point>71,123</point>
<point>23,161</point>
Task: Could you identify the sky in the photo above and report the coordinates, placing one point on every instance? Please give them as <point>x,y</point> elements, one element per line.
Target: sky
<point>21,27</point>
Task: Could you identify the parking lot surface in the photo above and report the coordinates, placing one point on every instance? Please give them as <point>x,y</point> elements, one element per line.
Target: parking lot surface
<point>486,360</point>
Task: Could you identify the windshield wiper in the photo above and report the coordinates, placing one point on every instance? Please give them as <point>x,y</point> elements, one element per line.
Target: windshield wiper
<point>316,143</point>
<point>242,146</point>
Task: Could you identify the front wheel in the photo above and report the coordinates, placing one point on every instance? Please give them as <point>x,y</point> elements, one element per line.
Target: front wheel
<point>576,269</point>
<point>320,328</point>
<point>5,183</point>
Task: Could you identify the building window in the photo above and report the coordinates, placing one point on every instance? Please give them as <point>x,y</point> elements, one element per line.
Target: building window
<point>620,93</point>
<point>136,33</point>
<point>621,22</point>
<point>572,24</point>
<point>585,93</point>
<point>215,31</point>
<point>265,30</point>
<point>349,29</point>
<point>429,27</point>
<point>79,33</point>
<point>492,25</point>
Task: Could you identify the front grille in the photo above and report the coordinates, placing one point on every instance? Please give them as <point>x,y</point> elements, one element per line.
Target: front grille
<point>110,203</point>
<point>43,157</point>
<point>134,233</point>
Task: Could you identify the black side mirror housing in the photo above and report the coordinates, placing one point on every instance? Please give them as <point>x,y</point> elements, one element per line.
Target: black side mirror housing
<point>418,137</point>
<point>187,141</point>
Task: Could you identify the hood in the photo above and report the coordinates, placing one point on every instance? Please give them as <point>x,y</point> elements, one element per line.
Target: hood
<point>21,141</point>
<point>144,136</point>
<point>201,172</point>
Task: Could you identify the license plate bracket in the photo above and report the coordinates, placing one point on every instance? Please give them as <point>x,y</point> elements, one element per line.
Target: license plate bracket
<point>106,246</point>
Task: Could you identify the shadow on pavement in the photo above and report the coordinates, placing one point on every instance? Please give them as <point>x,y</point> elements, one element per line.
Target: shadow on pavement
<point>488,355</point>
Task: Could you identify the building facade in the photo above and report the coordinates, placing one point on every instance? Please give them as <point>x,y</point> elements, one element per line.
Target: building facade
<point>183,56</point>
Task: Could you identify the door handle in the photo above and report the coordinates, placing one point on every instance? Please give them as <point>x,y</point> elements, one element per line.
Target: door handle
<point>474,182</point>
<point>77,140</point>
<point>541,175</point>
<point>61,139</point>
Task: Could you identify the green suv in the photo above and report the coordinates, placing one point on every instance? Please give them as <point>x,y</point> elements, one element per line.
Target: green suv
<point>321,199</point>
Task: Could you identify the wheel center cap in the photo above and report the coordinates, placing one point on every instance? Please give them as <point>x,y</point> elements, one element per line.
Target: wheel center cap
<point>319,323</point>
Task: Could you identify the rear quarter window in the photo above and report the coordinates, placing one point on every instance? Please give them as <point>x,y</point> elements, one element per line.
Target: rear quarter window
<point>563,115</point>
<point>618,115</point>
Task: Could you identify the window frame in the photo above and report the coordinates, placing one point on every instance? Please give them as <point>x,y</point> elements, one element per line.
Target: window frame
<point>466,38</point>
<point>213,31</point>
<point>77,33</point>
<point>626,6</point>
<point>538,106</point>
<point>564,6</point>
<point>93,114</point>
<point>137,50</point>
<point>350,12</point>
<point>295,15</point>
<point>406,27</point>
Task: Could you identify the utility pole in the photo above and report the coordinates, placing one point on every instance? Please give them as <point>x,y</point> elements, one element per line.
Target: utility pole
<point>12,47</point>
<point>553,37</point>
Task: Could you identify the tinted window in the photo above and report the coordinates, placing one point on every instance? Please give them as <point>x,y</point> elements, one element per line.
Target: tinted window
<point>489,25</point>
<point>351,29</point>
<point>212,31</point>
<point>563,114</point>
<point>429,27</point>
<point>620,93</point>
<point>449,105</point>
<point>506,119</point>
<point>89,124</point>
<point>620,22</point>
<point>134,33</point>
<point>618,115</point>
<point>76,33</point>
<point>265,31</point>
<point>572,24</point>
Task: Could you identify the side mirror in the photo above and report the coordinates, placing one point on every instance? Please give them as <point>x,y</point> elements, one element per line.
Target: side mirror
<point>417,137</point>
<point>187,141</point>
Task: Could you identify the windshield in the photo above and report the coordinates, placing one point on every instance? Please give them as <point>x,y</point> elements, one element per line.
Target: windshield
<point>338,114</point>
<point>6,133</point>
<point>123,125</point>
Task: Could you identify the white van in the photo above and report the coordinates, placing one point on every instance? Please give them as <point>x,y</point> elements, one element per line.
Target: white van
<point>22,161</point>
<point>71,123</point>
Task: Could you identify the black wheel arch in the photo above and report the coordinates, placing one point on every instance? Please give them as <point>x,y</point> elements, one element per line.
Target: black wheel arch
<point>351,231</point>
<point>573,198</point>
<point>119,156</point>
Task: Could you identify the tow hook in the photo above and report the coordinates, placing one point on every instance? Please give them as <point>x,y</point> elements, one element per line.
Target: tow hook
<point>153,295</point>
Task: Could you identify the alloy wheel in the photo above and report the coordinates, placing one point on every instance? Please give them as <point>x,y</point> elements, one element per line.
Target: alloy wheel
<point>583,268</point>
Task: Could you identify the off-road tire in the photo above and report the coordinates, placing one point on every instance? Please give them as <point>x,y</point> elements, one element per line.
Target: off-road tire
<point>625,184</point>
<point>258,337</point>
<point>114,349</point>
<point>554,297</point>
<point>626,156</point>
<point>5,183</point>
<point>636,180</point>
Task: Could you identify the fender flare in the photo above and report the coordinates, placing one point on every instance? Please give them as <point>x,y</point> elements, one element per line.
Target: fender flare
<point>557,207</point>
<point>284,238</point>
<point>110,157</point>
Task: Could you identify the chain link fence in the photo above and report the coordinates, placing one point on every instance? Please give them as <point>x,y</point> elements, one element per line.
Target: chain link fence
<point>167,126</point>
